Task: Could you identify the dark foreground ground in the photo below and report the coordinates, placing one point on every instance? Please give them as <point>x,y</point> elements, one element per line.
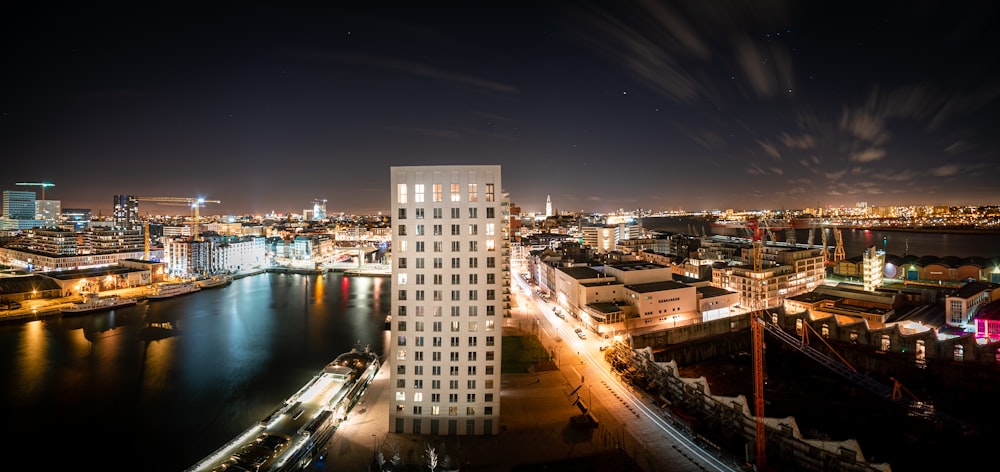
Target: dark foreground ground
<point>827,407</point>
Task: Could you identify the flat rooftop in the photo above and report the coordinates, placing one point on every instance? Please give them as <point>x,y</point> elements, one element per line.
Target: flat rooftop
<point>656,286</point>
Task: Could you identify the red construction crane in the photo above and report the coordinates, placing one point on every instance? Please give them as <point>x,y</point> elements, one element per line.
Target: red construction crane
<point>757,311</point>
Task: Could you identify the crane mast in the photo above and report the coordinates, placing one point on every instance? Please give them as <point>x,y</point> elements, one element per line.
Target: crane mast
<point>838,252</point>
<point>825,252</point>
<point>195,202</point>
<point>757,303</point>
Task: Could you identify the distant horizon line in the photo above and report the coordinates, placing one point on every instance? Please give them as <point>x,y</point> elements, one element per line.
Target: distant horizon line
<point>385,212</point>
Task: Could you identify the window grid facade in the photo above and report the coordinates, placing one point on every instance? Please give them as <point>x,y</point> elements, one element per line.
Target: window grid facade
<point>464,196</point>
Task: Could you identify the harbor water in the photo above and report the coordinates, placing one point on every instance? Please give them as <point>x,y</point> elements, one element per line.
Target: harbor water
<point>158,386</point>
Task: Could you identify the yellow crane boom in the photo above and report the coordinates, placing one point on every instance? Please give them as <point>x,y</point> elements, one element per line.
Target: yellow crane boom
<point>195,202</point>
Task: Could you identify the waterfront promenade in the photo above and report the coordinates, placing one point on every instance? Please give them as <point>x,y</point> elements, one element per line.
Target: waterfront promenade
<point>43,308</point>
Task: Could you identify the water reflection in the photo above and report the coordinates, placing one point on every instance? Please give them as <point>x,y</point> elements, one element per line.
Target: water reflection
<point>182,375</point>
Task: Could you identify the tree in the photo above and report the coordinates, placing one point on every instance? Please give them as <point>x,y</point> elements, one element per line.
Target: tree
<point>432,458</point>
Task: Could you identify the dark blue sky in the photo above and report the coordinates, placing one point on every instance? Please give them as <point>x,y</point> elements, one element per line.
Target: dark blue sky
<point>654,105</point>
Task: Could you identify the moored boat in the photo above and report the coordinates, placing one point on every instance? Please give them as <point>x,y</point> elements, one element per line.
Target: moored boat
<point>172,290</point>
<point>377,270</point>
<point>96,304</point>
<point>295,433</point>
<point>215,281</point>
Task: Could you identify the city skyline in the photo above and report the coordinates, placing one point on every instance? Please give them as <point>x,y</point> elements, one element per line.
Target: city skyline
<point>663,106</point>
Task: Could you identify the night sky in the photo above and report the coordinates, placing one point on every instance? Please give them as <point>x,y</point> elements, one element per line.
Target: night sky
<point>603,106</point>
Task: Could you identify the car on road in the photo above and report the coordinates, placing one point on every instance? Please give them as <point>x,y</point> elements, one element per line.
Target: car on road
<point>581,333</point>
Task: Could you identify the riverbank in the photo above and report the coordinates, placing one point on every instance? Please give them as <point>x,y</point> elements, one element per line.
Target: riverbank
<point>49,308</point>
<point>924,229</point>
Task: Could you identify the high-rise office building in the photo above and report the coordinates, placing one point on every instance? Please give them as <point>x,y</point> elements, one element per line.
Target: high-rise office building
<point>48,211</point>
<point>19,210</point>
<point>448,272</point>
<point>319,210</point>
<point>78,217</point>
<point>126,214</point>
<point>19,204</point>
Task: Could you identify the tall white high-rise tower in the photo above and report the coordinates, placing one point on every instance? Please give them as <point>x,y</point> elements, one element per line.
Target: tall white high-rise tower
<point>448,279</point>
<point>548,206</point>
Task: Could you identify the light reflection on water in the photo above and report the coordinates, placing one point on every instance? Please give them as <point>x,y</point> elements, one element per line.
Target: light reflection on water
<point>122,403</point>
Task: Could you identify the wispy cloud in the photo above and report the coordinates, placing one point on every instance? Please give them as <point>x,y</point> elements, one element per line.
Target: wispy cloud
<point>945,170</point>
<point>708,140</point>
<point>905,175</point>
<point>810,161</point>
<point>408,67</point>
<point>768,69</point>
<point>964,102</point>
<point>836,175</point>
<point>770,149</point>
<point>671,47</point>
<point>868,155</point>
<point>804,141</point>
<point>864,125</point>
<point>958,147</point>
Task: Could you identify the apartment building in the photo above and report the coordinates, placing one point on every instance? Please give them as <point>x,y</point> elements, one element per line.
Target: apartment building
<point>450,279</point>
<point>962,304</point>
<point>791,272</point>
<point>184,257</point>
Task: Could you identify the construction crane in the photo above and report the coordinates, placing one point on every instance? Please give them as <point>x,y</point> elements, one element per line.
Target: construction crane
<point>770,234</point>
<point>825,252</point>
<point>757,309</point>
<point>195,203</point>
<point>838,252</point>
<point>790,237</point>
<point>43,185</point>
